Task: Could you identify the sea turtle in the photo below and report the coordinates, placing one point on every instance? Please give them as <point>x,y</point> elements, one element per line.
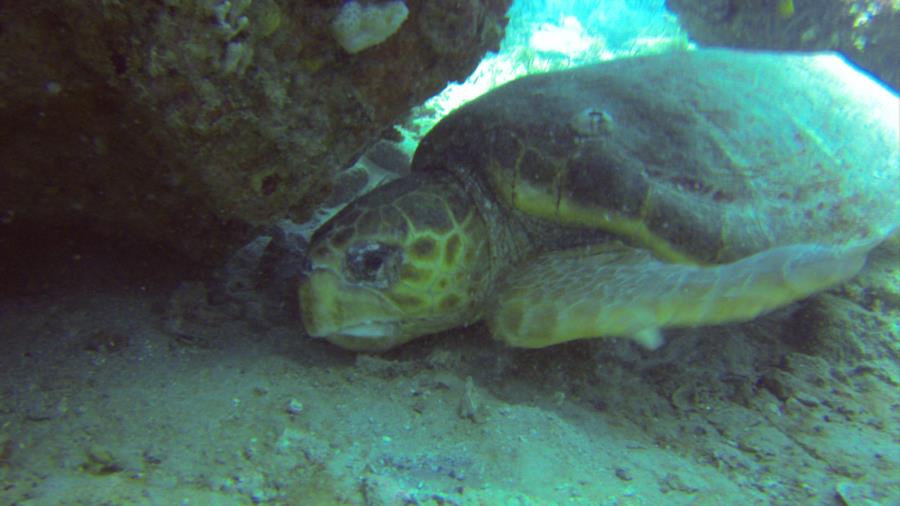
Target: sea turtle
<point>617,199</point>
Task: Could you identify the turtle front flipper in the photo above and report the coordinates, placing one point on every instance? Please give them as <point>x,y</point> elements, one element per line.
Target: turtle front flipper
<point>561,297</point>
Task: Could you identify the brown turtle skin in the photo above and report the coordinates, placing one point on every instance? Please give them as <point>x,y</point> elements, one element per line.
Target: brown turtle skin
<point>702,158</point>
<point>414,252</point>
<point>719,153</point>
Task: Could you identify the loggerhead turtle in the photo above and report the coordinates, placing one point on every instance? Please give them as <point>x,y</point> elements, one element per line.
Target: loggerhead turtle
<point>618,199</point>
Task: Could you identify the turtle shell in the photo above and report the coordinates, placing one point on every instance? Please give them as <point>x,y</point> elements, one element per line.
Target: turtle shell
<point>709,155</point>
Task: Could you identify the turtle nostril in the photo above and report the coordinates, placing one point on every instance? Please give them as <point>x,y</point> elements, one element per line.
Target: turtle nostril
<point>305,266</point>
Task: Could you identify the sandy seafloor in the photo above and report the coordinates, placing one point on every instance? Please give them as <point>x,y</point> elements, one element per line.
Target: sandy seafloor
<point>123,382</point>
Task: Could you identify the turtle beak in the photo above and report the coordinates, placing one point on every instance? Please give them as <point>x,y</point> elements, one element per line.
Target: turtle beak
<point>328,306</point>
<point>313,305</point>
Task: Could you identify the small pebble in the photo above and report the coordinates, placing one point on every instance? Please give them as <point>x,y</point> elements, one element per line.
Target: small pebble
<point>295,407</point>
<point>623,474</point>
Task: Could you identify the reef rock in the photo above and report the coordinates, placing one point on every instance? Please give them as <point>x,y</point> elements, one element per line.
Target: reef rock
<point>865,31</point>
<point>189,122</point>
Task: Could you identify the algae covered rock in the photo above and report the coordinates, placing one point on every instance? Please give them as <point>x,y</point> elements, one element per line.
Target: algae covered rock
<point>190,122</point>
<point>866,31</point>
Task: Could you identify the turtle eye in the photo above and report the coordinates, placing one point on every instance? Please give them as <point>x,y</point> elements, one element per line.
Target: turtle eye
<point>373,263</point>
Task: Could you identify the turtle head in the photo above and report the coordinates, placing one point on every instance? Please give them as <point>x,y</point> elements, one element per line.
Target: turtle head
<point>407,259</point>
